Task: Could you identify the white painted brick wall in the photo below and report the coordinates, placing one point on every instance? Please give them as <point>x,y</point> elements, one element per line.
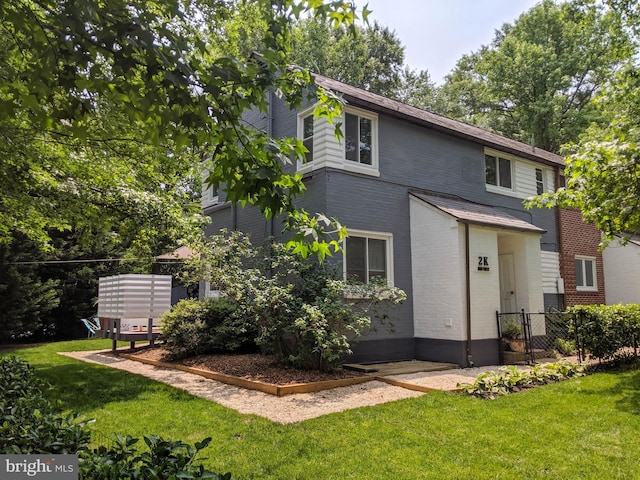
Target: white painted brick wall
<point>485,286</point>
<point>437,251</point>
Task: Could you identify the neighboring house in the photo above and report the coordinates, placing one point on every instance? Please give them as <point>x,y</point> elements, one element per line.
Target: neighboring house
<point>434,206</point>
<point>622,271</point>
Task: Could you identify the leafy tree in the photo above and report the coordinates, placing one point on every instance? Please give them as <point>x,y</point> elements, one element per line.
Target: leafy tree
<point>537,79</point>
<point>603,169</point>
<point>26,299</point>
<point>106,107</point>
<point>418,89</point>
<point>371,59</point>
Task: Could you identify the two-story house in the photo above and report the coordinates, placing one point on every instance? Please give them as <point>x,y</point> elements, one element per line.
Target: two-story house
<point>432,205</point>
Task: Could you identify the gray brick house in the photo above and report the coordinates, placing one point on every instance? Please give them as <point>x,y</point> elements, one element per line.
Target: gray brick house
<point>435,207</point>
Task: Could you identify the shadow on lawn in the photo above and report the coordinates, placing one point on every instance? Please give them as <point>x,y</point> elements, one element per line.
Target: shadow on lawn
<point>82,387</point>
<point>628,389</point>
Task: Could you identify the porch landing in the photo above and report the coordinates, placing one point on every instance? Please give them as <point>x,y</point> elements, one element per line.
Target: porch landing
<point>399,368</point>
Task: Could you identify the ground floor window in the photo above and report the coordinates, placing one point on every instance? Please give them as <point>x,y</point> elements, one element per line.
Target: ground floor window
<point>586,273</point>
<point>367,257</point>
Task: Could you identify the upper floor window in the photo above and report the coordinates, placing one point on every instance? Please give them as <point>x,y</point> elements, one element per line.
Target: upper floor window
<point>586,273</point>
<point>307,136</point>
<point>497,171</point>
<point>539,181</point>
<point>209,192</point>
<point>358,138</point>
<point>368,257</point>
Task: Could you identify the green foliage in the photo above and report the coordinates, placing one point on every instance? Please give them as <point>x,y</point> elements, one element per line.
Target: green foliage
<point>510,378</point>
<point>107,108</point>
<point>511,330</point>
<point>164,460</point>
<point>371,59</point>
<point>605,330</point>
<point>537,80</point>
<point>565,347</point>
<point>213,325</point>
<point>303,314</point>
<point>603,169</point>
<point>29,423</point>
<point>27,298</point>
<point>492,437</point>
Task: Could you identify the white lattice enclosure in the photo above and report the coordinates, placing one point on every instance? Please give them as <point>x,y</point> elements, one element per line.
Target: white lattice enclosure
<point>134,299</point>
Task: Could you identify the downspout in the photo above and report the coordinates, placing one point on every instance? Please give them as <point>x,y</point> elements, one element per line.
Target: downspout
<point>270,224</point>
<point>561,296</point>
<point>468,291</point>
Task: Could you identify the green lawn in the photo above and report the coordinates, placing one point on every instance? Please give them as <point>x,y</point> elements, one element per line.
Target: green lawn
<point>582,428</point>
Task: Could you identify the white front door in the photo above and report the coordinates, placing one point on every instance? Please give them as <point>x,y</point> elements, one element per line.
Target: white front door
<point>508,303</point>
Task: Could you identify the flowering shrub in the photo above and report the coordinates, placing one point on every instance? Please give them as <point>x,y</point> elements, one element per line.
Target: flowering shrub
<point>303,313</point>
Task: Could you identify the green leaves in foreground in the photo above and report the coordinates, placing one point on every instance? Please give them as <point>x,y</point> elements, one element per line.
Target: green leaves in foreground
<point>511,379</point>
<point>164,460</point>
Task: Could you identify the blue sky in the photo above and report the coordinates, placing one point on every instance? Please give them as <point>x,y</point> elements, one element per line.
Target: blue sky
<point>436,33</point>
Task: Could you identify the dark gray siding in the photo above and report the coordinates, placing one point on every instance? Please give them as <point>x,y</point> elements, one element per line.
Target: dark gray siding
<point>364,203</point>
<point>410,157</point>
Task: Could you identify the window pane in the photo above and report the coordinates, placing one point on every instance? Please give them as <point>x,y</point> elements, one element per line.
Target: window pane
<point>588,267</point>
<point>505,173</point>
<point>308,127</point>
<point>365,141</point>
<point>356,258</point>
<point>579,274</point>
<point>539,182</point>
<point>490,170</point>
<point>351,137</point>
<point>377,258</point>
<point>308,143</point>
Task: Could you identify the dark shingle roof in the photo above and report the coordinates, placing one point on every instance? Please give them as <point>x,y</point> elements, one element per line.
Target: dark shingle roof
<point>357,96</point>
<point>476,214</point>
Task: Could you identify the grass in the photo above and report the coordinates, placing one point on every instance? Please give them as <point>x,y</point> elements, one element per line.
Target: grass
<point>583,428</point>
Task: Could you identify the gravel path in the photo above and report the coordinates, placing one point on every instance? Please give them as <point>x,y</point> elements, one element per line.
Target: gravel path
<point>290,408</point>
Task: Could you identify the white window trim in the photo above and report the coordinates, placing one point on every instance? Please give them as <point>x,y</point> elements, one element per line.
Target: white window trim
<point>585,288</point>
<point>350,165</point>
<point>512,166</point>
<point>341,163</point>
<point>303,167</point>
<point>377,236</point>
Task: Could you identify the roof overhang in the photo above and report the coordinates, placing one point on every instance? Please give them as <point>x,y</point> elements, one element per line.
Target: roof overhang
<point>476,214</point>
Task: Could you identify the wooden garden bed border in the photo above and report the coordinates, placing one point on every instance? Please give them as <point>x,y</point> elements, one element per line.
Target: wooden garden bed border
<point>270,388</point>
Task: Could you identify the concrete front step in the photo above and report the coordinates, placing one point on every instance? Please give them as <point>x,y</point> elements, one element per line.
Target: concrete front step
<point>399,368</point>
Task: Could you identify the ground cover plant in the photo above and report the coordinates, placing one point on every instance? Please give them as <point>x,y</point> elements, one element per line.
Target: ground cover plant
<point>574,429</point>
<point>510,379</point>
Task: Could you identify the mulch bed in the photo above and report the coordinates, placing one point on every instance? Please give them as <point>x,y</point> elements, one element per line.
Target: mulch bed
<point>253,366</point>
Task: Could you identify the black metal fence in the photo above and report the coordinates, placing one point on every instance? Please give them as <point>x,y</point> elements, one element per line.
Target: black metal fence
<point>532,337</point>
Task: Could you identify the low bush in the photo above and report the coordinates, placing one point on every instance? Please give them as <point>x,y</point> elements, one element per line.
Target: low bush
<point>510,378</point>
<point>29,423</point>
<point>213,325</point>
<point>607,330</point>
<point>164,460</point>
